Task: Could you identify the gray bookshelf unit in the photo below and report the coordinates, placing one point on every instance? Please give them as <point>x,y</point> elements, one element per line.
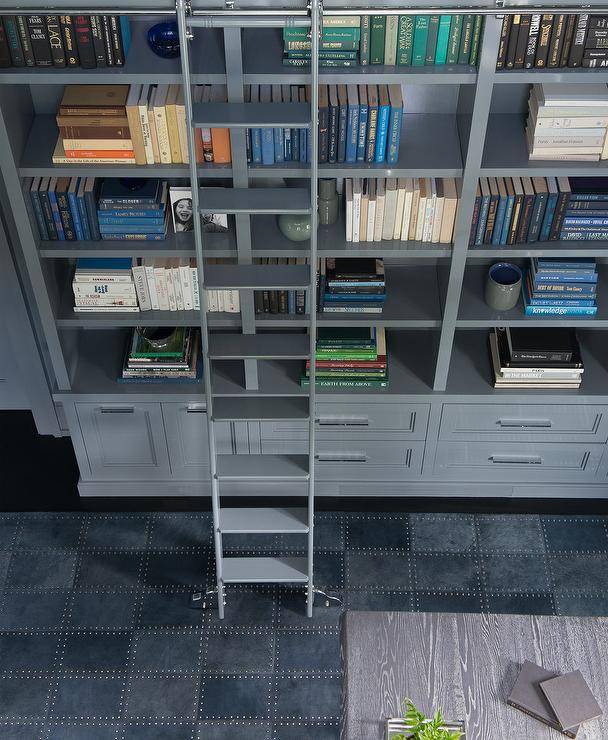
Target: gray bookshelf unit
<point>440,429</point>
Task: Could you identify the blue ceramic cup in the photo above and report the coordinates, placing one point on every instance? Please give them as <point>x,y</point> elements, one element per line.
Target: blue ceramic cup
<point>503,286</point>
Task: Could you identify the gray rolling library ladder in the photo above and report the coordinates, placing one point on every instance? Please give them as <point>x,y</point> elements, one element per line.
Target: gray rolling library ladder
<point>242,202</point>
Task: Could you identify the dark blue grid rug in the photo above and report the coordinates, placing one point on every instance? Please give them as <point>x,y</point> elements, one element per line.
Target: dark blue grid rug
<point>97,640</point>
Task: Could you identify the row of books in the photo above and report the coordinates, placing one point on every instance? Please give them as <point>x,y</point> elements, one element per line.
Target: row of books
<point>517,210</point>
<point>393,40</point>
<point>561,287</point>
<point>135,124</point>
<point>351,285</point>
<point>418,208</point>
<point>568,122</point>
<point>64,40</point>
<point>353,357</point>
<point>553,40</point>
<point>163,355</point>
<point>65,208</point>
<point>535,358</point>
<point>281,301</point>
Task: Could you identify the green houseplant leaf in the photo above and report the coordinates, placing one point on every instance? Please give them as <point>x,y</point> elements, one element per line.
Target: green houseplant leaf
<point>421,727</point>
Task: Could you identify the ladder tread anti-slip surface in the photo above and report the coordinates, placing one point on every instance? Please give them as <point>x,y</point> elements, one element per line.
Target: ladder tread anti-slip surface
<point>252,472</point>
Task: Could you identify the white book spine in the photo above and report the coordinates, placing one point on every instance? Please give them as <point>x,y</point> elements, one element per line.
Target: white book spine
<point>428,219</point>
<point>118,290</point>
<point>356,213</point>
<point>106,309</point>
<point>146,133</point>
<point>153,135</point>
<point>421,215</point>
<point>196,298</point>
<point>380,200</point>
<point>123,277</point>
<point>186,283</point>
<point>390,206</point>
<point>221,301</point>
<point>399,212</point>
<point>212,301</point>
<point>437,220</point>
<point>170,289</point>
<point>152,287</point>
<point>141,288</point>
<point>604,154</point>
<point>349,210</point>
<point>162,132</point>
<point>100,302</point>
<point>232,301</point>
<point>160,275</point>
<point>177,288</point>
<point>567,123</point>
<point>407,214</point>
<point>371,219</point>
<point>182,131</point>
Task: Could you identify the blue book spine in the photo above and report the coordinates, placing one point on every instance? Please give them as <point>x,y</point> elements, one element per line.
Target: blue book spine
<point>342,132</point>
<point>291,301</point>
<point>384,112</point>
<point>352,133</point>
<point>394,135</point>
<point>579,197</point>
<point>133,237</point>
<point>586,213</point>
<point>91,206</point>
<point>354,297</point>
<point>560,311</point>
<point>56,216</point>
<point>279,143</point>
<point>538,211</point>
<point>565,290</point>
<point>303,145</point>
<point>504,235</point>
<point>256,145</point>
<point>545,263</point>
<point>295,144</point>
<point>545,229</point>
<point>572,277</point>
<point>82,209</point>
<point>584,236</point>
<point>361,141</point>
<point>577,222</point>
<point>127,229</point>
<point>267,146</point>
<point>483,217</point>
<point>308,146</point>
<point>112,221</point>
<point>122,213</point>
<point>287,148</point>
<point>74,210</point>
<point>501,210</point>
<point>41,223</point>
<point>560,301</point>
<point>125,32</point>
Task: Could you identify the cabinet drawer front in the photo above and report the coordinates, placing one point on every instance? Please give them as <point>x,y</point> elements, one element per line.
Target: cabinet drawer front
<point>511,461</point>
<point>567,423</point>
<point>124,441</point>
<point>342,460</point>
<point>406,420</point>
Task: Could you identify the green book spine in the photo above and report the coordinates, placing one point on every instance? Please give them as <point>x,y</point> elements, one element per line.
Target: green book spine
<point>346,355</point>
<point>454,42</point>
<point>431,40</point>
<point>376,45</point>
<point>405,39</point>
<point>443,37</point>
<point>323,46</point>
<point>328,34</point>
<point>476,39</point>
<point>290,62</point>
<point>421,30</point>
<point>466,37</point>
<point>365,40</point>
<point>345,383</point>
<point>322,54</point>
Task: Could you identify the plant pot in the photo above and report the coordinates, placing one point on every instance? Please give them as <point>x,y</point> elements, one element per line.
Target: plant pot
<point>397,726</point>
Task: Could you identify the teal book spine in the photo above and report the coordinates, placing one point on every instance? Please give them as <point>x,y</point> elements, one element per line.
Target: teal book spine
<point>384,112</point>
<point>431,40</point>
<point>405,39</point>
<point>443,37</point>
<point>421,32</point>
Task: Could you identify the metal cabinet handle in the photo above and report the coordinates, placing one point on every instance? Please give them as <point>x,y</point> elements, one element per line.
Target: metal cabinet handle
<point>195,409</point>
<point>342,457</point>
<point>525,423</point>
<point>516,459</point>
<point>347,421</point>
<point>117,409</point>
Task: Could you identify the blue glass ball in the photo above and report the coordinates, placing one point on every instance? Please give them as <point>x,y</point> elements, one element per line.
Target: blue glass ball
<point>163,39</point>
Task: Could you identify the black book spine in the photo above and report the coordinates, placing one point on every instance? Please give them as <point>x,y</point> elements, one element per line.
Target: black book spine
<point>323,133</point>
<point>14,42</point>
<point>39,39</point>
<point>568,39</point>
<point>474,221</point>
<point>524,221</point>
<point>66,216</point>
<point>342,120</point>
<point>557,40</point>
<point>518,204</point>
<point>48,214</point>
<point>107,39</point>
<point>487,237</point>
<point>503,42</point>
<point>575,58</point>
<point>26,44</point>
<point>597,38</point>
<point>332,151</point>
<point>530,57</point>
<point>69,41</point>
<point>558,219</point>
<point>594,60</point>
<point>544,40</point>
<point>538,211</point>
<point>5,54</point>
<point>84,41</point>
<point>117,50</point>
<point>258,301</point>
<point>522,42</point>
<point>98,43</point>
<point>598,21</point>
<point>55,40</point>
<point>512,45</point>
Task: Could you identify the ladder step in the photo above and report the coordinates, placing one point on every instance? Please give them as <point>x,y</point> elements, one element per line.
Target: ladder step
<point>251,115</point>
<point>257,277</point>
<point>268,408</point>
<point>260,346</point>
<point>263,521</point>
<point>265,570</point>
<point>254,200</point>
<point>262,467</point>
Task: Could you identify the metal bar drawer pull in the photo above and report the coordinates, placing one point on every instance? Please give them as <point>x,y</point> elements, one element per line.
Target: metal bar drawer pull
<point>344,421</point>
<point>516,459</point>
<point>341,457</point>
<point>525,423</point>
<point>117,409</point>
<point>195,409</point>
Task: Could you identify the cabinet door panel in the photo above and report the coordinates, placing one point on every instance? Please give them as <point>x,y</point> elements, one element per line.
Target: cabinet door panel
<point>124,441</point>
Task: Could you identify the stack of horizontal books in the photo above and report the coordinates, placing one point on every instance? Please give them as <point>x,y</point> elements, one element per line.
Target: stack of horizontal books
<point>351,285</point>
<point>535,358</point>
<point>338,46</point>
<point>133,209</point>
<point>104,285</point>
<point>352,357</point>
<point>582,111</point>
<point>561,287</point>
<point>177,361</point>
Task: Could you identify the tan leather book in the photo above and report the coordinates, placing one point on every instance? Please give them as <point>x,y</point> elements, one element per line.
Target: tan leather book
<point>99,100</point>
<point>171,108</point>
<point>132,108</point>
<point>450,203</point>
<point>160,118</point>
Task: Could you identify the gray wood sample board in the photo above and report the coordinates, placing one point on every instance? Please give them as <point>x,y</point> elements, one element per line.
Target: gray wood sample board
<point>464,664</point>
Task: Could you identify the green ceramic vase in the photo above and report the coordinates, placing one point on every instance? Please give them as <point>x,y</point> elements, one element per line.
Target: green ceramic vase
<point>295,226</point>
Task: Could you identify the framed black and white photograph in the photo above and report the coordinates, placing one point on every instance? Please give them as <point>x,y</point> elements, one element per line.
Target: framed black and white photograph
<point>183,217</point>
